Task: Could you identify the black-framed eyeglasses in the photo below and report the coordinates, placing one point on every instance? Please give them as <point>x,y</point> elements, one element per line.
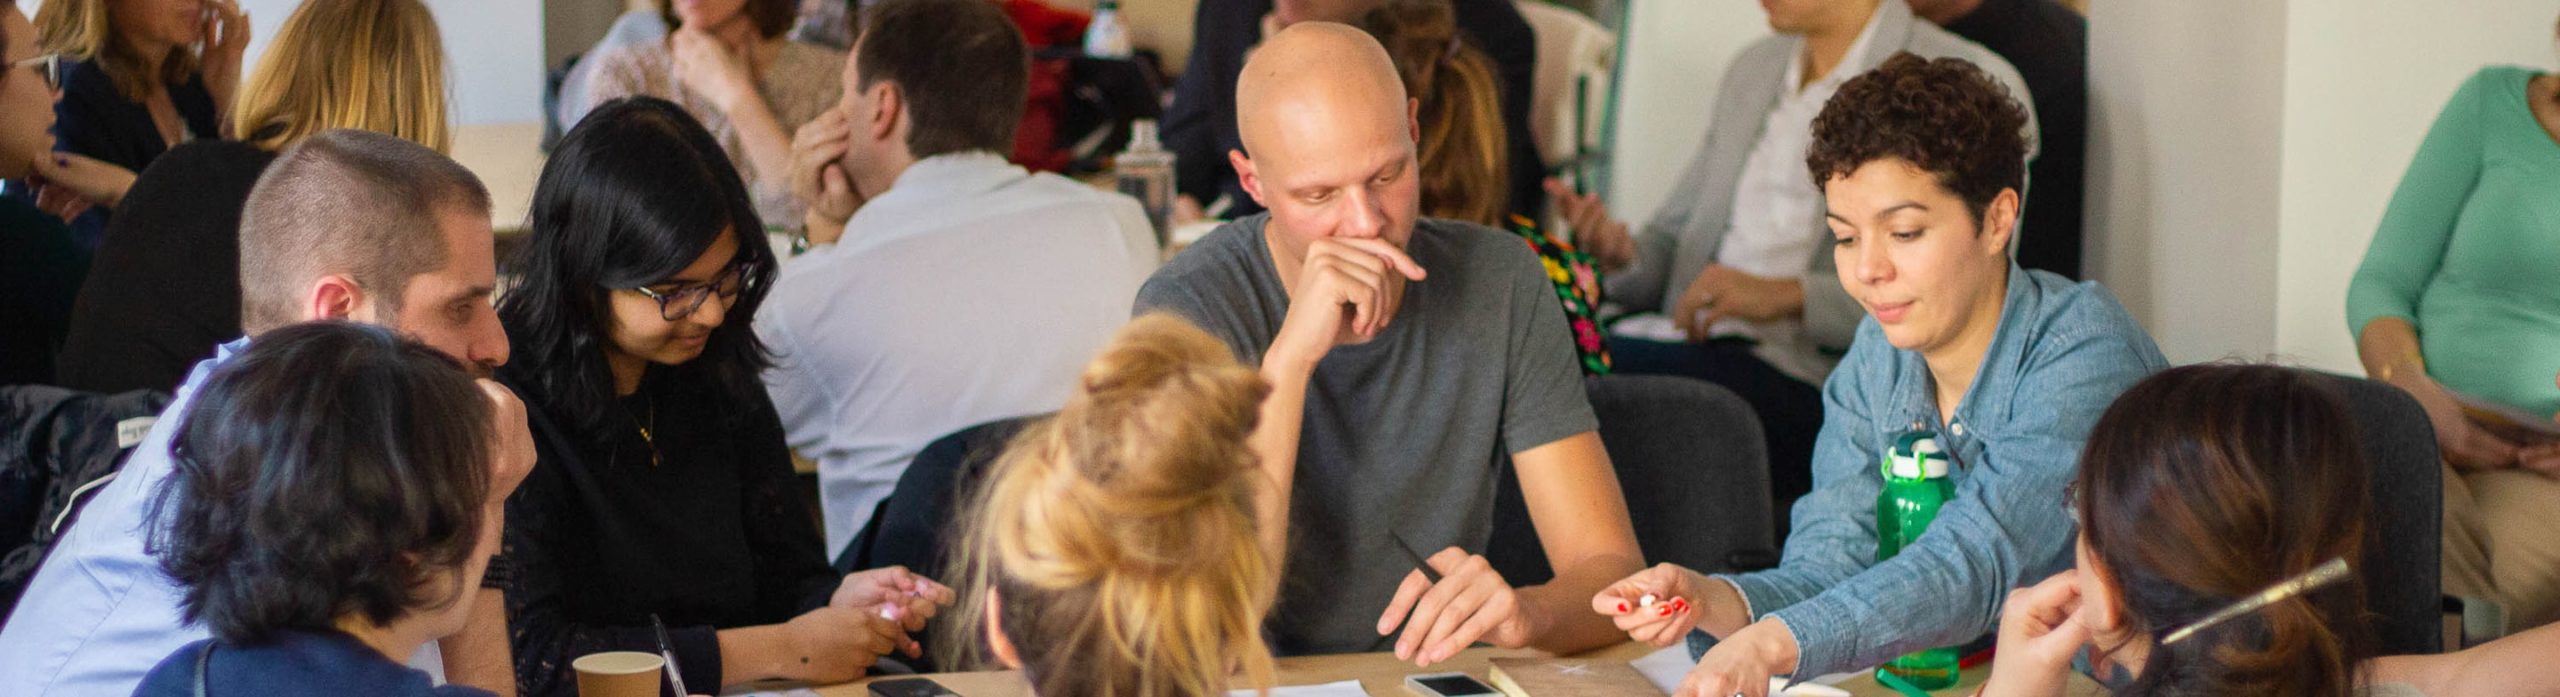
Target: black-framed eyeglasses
<point>683,299</point>
<point>49,65</point>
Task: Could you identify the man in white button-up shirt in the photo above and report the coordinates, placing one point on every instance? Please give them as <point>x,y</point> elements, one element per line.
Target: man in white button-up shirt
<point>944,287</point>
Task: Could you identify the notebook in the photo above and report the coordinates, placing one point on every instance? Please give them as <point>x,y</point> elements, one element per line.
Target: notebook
<point>1566,677</point>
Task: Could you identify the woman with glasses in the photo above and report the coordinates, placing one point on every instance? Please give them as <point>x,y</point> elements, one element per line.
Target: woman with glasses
<point>665,491</point>
<point>40,267</point>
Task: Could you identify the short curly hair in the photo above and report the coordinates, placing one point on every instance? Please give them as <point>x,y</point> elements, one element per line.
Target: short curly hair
<point>330,470</point>
<point>1944,116</point>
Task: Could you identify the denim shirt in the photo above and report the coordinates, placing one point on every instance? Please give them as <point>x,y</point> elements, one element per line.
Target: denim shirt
<point>2062,353</point>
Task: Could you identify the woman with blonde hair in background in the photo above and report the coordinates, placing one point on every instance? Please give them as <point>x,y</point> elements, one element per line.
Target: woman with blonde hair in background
<point>165,288</point>
<point>1465,155</point>
<point>1113,549</point>
<point>149,75</point>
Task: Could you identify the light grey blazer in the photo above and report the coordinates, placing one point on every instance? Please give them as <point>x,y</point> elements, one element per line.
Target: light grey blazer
<point>1681,239</point>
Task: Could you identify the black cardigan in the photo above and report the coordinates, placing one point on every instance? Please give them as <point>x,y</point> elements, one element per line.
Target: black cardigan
<point>712,536</point>
<point>165,288</point>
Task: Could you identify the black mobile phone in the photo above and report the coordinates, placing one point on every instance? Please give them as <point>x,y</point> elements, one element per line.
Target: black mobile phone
<point>910,687</point>
<point>1446,685</point>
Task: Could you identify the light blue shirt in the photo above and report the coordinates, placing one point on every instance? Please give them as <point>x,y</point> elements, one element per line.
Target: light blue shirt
<point>2062,353</point>
<point>100,612</point>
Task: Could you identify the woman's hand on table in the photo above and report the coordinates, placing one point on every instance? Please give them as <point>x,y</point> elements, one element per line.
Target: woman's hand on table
<point>1743,663</point>
<point>1676,592</point>
<point>833,644</point>
<point>894,594</point>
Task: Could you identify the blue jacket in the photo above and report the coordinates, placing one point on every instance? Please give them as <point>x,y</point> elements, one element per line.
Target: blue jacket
<point>2062,353</point>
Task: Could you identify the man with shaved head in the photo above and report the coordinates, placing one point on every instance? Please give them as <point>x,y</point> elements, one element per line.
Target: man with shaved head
<point>1407,357</point>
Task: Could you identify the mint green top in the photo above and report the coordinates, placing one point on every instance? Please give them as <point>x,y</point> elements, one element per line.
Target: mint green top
<point>2469,251</point>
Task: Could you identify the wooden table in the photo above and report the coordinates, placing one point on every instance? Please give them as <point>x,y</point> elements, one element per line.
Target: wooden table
<point>1379,673</point>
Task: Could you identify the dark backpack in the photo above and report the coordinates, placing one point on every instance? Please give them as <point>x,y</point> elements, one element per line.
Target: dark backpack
<point>58,446</point>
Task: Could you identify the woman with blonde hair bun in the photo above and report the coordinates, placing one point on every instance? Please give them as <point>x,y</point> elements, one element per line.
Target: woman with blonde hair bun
<point>165,288</point>
<point>1113,549</point>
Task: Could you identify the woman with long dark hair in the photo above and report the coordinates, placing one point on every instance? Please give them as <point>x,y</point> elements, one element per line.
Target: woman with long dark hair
<point>665,490</point>
<point>2200,487</point>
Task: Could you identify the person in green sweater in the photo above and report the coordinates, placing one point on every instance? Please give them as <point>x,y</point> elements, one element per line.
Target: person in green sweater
<point>2454,300</point>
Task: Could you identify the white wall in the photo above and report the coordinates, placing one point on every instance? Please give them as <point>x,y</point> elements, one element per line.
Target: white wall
<point>493,54</point>
<point>2186,107</point>
<point>2243,153</point>
<point>1676,51</point>
<point>2364,79</point>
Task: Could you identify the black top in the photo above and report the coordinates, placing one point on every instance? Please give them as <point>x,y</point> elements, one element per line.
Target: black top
<point>165,289</point>
<point>40,270</point>
<point>1200,127</point>
<point>710,536</point>
<point>94,119</point>
<point>2049,45</point>
<point>320,664</point>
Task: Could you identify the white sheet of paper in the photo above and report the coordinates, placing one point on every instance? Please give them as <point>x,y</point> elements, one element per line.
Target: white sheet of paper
<point>1653,326</point>
<point>1665,668</point>
<point>1346,688</point>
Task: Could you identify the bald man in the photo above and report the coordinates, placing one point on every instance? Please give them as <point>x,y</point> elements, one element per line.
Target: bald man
<point>1406,358</point>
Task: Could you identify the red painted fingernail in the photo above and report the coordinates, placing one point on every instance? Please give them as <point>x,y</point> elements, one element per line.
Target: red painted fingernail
<point>1666,611</point>
<point>1622,607</point>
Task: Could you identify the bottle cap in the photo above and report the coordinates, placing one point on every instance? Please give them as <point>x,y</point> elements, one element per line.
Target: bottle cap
<point>1916,456</point>
<point>1142,136</point>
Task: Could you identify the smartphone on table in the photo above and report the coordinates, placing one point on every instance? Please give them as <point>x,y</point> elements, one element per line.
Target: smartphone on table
<point>1447,685</point>
<point>910,687</point>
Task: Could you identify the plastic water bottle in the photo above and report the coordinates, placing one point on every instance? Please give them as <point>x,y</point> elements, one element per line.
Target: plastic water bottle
<point>1106,37</point>
<point>1145,172</point>
<point>1915,485</point>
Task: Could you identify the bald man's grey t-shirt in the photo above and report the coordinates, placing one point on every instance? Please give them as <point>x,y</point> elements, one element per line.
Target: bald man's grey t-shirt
<point>1406,433</point>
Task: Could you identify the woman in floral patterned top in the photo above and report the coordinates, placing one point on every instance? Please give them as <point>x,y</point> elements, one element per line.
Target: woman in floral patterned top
<point>727,64</point>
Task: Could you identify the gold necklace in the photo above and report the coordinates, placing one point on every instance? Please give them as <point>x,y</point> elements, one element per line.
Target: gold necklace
<point>645,436</point>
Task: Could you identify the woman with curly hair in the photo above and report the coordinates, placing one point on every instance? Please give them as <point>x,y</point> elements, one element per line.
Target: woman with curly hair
<point>1921,163</point>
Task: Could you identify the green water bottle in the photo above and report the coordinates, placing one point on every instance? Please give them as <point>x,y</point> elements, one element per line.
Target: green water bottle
<point>1915,485</point>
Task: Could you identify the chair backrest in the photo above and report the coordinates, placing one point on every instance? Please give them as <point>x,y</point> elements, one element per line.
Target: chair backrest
<point>1572,49</point>
<point>1693,466</point>
<point>912,527</point>
<point>2402,563</point>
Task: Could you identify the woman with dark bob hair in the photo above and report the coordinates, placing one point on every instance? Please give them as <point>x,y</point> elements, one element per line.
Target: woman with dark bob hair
<point>336,514</point>
<point>2000,370</point>
<point>665,490</point>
